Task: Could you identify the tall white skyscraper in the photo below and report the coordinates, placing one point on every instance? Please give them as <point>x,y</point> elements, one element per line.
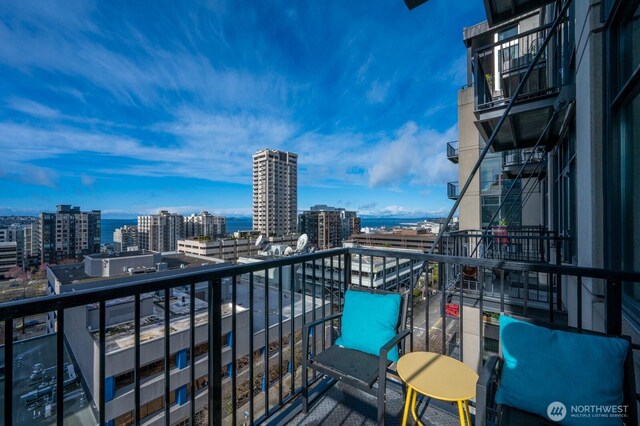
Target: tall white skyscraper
<point>275,192</point>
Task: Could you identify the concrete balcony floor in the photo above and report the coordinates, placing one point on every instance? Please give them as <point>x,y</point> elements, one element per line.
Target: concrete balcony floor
<point>345,405</point>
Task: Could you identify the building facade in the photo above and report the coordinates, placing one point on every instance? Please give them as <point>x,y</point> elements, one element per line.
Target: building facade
<point>68,234</point>
<point>205,225</point>
<point>414,239</point>
<point>23,236</point>
<point>8,257</point>
<point>564,159</point>
<point>125,238</point>
<point>328,226</point>
<point>275,192</point>
<point>230,249</point>
<point>160,232</point>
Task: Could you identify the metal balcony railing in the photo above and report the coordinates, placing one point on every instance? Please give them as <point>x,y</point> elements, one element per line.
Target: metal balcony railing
<point>452,190</point>
<point>517,243</point>
<point>520,157</point>
<point>452,151</point>
<point>499,67</point>
<point>228,338</point>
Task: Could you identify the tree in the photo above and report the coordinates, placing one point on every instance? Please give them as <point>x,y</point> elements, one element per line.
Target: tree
<point>17,273</point>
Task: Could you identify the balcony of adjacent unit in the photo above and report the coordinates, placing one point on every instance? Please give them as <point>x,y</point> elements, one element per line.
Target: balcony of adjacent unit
<point>453,190</point>
<point>223,345</point>
<point>452,151</point>
<point>526,163</point>
<point>501,59</point>
<point>501,11</point>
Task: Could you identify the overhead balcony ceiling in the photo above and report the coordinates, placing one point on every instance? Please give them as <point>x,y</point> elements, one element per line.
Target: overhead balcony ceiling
<point>499,11</point>
<point>524,125</point>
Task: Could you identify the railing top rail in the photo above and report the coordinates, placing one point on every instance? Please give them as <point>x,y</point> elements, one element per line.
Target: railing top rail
<point>129,286</point>
<point>508,233</point>
<point>542,267</point>
<point>512,38</point>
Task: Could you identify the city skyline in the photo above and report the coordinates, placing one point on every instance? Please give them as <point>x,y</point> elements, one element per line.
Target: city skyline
<point>130,118</point>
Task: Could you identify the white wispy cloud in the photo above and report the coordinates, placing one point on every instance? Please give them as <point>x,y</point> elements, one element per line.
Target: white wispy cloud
<point>414,154</point>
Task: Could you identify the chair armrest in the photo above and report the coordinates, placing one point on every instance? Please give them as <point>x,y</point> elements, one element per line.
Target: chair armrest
<point>384,350</point>
<point>307,328</point>
<point>321,320</point>
<point>484,389</point>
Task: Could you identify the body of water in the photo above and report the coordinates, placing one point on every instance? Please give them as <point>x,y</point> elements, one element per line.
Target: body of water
<point>246,223</point>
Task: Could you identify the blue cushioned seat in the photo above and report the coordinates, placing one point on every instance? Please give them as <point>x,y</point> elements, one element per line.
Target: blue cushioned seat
<point>543,366</point>
<point>370,320</point>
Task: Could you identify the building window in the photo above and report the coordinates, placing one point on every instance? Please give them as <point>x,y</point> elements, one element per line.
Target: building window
<point>623,60</point>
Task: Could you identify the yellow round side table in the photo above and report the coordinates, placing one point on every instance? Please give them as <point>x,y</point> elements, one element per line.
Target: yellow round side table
<point>440,377</point>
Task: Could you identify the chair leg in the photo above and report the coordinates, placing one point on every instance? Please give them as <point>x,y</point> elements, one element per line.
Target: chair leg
<point>381,398</point>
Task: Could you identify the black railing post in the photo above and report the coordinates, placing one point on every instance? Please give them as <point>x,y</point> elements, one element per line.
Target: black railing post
<point>136,364</point>
<point>103,361</point>
<point>59,367</point>
<point>427,300</point>
<point>579,296</point>
<point>347,270</point>
<point>613,297</point>
<point>443,302</point>
<point>167,356</point>
<point>8,371</point>
<point>215,354</point>
<point>481,275</point>
<point>251,361</point>
<point>558,278</point>
<point>234,350</point>
<point>192,355</point>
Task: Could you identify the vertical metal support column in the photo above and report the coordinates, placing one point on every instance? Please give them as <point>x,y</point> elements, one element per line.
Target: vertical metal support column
<point>8,372</point>
<point>579,313</point>
<point>443,302</point>
<point>347,270</point>
<point>427,301</point>
<point>192,355</point>
<point>613,313</point>
<point>103,359</point>
<point>136,363</point>
<point>59,368</point>
<point>167,357</point>
<point>234,350</point>
<point>215,354</point>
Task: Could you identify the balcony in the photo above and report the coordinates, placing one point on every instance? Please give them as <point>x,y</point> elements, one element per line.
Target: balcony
<point>500,66</point>
<point>453,190</point>
<point>452,151</point>
<point>499,11</point>
<point>161,347</point>
<point>531,162</point>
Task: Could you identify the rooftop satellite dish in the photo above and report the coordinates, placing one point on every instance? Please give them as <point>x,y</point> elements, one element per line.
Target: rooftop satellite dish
<point>302,242</point>
<point>288,251</point>
<point>259,240</point>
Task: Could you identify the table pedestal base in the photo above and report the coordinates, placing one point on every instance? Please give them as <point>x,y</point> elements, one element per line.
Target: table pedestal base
<point>411,401</point>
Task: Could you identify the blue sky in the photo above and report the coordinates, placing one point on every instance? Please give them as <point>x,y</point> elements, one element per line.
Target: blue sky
<point>130,107</point>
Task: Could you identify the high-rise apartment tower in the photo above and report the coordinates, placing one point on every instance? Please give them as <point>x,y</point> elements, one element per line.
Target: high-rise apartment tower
<point>160,232</point>
<point>68,233</point>
<point>275,192</point>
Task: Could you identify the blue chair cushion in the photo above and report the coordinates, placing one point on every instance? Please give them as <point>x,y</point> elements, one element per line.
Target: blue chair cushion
<point>543,366</point>
<point>369,320</point>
